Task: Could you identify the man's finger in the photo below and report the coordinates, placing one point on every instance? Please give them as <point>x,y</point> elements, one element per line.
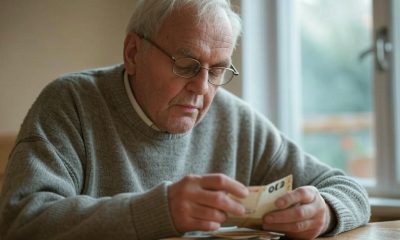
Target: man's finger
<point>290,227</point>
<point>208,214</point>
<point>220,200</point>
<point>202,225</point>
<point>291,215</point>
<point>220,182</point>
<point>300,195</point>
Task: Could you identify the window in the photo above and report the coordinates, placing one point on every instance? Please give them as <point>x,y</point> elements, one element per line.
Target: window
<point>337,83</point>
<point>312,67</point>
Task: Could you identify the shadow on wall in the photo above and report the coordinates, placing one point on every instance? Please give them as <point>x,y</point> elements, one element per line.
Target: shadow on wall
<point>6,144</point>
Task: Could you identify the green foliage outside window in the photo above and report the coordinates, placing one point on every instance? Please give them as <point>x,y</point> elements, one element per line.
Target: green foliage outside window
<point>335,81</point>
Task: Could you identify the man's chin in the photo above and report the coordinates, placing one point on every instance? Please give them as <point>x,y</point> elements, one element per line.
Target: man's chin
<point>179,130</point>
<point>180,127</point>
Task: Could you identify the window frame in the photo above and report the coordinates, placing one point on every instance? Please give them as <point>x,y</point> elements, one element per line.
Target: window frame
<point>275,91</point>
<point>386,93</point>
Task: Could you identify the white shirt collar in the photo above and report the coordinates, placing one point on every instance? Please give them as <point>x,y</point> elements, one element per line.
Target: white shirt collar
<point>136,105</point>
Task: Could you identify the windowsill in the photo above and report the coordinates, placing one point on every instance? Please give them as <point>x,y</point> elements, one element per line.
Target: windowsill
<point>384,208</point>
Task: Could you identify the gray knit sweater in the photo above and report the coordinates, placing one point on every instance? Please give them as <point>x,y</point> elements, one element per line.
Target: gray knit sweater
<point>86,166</point>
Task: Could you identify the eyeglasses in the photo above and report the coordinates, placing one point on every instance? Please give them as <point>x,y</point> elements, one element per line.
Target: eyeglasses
<point>187,67</point>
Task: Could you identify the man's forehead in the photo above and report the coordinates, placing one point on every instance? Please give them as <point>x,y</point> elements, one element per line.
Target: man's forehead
<point>190,38</point>
<point>186,36</point>
<point>197,54</point>
<point>189,46</point>
<point>186,24</point>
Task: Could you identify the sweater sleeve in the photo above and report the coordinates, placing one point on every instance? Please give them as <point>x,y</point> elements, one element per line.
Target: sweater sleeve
<point>45,196</point>
<point>267,155</point>
<point>40,200</point>
<point>280,157</point>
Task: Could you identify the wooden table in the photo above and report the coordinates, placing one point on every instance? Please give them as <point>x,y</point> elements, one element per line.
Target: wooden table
<point>378,230</point>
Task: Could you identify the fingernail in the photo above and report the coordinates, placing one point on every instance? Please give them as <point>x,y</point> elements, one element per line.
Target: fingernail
<point>246,191</point>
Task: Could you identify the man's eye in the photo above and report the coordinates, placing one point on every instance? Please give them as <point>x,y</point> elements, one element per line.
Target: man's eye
<point>189,69</point>
<point>217,72</point>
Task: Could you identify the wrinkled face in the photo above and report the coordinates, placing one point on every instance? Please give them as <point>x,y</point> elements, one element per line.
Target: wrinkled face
<point>173,103</point>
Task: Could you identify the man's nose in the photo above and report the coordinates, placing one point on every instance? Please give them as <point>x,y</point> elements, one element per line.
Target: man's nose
<point>199,83</point>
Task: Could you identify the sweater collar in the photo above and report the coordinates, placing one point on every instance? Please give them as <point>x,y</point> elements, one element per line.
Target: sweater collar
<point>136,105</point>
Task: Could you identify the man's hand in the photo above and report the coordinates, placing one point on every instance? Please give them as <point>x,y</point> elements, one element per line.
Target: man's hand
<point>302,214</point>
<point>202,202</point>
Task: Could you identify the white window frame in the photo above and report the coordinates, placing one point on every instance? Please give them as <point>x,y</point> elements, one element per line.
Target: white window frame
<point>269,62</point>
<point>271,83</point>
<point>395,21</point>
<point>387,103</point>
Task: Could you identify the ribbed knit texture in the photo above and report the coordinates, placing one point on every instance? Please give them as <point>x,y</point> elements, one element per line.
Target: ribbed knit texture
<point>85,166</point>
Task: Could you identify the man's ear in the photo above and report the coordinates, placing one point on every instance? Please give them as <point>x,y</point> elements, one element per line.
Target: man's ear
<point>130,51</point>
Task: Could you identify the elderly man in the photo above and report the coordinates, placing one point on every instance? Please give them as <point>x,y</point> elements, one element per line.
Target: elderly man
<point>150,149</point>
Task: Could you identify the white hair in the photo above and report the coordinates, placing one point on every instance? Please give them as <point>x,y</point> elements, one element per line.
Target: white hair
<point>149,15</point>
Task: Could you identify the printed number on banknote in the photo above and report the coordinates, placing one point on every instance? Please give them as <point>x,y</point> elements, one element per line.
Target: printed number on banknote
<point>260,201</point>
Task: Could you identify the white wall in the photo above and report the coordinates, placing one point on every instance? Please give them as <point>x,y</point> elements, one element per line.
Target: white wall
<point>40,40</point>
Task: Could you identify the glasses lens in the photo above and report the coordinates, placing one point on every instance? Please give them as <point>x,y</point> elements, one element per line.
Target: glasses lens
<point>186,67</point>
<point>218,75</point>
<point>189,67</point>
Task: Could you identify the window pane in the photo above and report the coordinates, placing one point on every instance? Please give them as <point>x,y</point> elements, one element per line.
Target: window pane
<point>337,81</point>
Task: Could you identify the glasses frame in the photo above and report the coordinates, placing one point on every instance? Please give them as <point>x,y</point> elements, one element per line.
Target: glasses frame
<point>174,59</point>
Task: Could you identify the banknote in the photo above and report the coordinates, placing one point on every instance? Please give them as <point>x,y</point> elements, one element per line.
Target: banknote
<point>245,233</point>
<point>261,200</point>
<point>229,233</point>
